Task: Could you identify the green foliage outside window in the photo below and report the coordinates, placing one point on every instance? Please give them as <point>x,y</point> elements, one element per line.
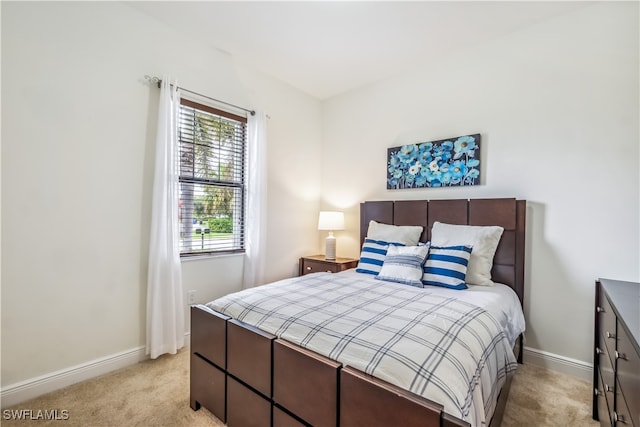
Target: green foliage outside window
<point>221,225</point>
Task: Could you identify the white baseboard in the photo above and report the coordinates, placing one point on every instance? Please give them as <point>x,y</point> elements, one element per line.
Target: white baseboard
<point>555,362</point>
<point>20,392</point>
<point>34,387</point>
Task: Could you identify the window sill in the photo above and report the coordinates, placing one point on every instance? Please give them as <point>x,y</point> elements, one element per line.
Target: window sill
<point>190,258</point>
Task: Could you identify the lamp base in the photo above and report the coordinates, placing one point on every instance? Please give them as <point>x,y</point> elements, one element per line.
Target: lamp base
<point>330,247</point>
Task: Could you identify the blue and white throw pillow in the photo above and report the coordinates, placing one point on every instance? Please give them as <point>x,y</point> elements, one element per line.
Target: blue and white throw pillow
<point>483,239</point>
<point>404,265</point>
<point>447,266</point>
<point>372,256</point>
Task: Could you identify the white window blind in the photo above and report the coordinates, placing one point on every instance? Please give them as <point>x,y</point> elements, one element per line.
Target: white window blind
<point>212,157</point>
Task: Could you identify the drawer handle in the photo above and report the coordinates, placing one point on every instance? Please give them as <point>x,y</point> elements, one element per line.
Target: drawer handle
<point>621,355</point>
<point>309,268</point>
<point>610,335</point>
<point>597,392</point>
<point>599,309</point>
<point>598,351</point>
<point>618,418</point>
<point>329,271</point>
<point>608,389</point>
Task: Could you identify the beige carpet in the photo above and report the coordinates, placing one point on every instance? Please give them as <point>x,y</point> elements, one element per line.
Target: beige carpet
<point>156,393</point>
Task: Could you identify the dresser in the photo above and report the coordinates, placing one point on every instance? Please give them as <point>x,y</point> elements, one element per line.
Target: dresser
<point>616,368</point>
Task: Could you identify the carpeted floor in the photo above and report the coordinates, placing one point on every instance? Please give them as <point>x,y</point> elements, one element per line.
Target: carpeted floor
<point>156,393</point>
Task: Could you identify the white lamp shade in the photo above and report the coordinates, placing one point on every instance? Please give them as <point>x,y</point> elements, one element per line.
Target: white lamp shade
<point>331,220</point>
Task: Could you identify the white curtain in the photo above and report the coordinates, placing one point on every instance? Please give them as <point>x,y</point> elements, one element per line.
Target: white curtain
<point>255,241</point>
<point>165,309</point>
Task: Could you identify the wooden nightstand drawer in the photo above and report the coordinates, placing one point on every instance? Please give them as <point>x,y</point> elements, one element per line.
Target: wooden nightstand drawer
<point>310,266</point>
<point>318,263</point>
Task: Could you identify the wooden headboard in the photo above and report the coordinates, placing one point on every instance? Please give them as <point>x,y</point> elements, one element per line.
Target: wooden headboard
<point>508,262</point>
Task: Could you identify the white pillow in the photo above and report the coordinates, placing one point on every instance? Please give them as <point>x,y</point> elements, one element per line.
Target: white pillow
<point>409,235</point>
<point>403,264</point>
<point>484,241</point>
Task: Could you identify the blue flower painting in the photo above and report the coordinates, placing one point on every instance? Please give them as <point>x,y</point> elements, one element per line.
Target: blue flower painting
<point>444,163</point>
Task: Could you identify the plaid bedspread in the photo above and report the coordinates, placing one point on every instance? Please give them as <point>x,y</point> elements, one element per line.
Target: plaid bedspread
<point>441,348</point>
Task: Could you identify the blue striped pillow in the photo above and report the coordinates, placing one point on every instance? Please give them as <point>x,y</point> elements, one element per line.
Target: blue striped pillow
<point>404,265</point>
<point>372,256</point>
<point>447,266</point>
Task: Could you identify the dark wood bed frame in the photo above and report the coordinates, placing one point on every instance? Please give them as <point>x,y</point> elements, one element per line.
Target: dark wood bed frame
<point>247,377</point>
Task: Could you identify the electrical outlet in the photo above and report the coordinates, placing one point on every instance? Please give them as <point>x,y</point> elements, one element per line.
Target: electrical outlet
<point>191,297</point>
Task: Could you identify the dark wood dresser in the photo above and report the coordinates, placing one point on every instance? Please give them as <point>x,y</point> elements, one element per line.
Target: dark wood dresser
<point>616,367</point>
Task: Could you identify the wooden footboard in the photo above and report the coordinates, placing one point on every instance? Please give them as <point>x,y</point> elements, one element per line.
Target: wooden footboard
<point>367,401</point>
<point>306,384</point>
<point>247,377</point>
<point>208,379</point>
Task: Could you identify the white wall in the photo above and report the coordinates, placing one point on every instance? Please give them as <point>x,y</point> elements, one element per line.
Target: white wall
<point>557,106</point>
<point>78,125</point>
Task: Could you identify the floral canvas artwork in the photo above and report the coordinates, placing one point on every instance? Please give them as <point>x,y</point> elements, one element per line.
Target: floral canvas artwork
<point>443,163</point>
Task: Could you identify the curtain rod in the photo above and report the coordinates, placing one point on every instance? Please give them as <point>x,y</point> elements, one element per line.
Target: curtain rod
<point>157,80</point>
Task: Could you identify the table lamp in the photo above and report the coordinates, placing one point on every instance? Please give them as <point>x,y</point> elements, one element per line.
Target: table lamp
<point>330,221</point>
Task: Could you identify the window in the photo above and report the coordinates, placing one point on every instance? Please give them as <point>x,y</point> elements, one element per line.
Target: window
<point>212,157</point>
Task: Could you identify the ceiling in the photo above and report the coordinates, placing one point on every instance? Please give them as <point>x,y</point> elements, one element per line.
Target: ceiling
<point>325,48</point>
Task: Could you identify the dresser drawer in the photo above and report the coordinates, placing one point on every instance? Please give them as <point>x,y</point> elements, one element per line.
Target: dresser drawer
<point>622,415</point>
<point>607,355</point>
<point>608,378</point>
<point>628,372</point>
<point>607,320</point>
<point>604,412</point>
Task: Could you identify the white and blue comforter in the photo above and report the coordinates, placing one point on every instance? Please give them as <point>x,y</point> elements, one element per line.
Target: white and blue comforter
<point>438,343</point>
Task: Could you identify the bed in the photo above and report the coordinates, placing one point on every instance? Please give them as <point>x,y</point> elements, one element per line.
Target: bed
<point>280,355</point>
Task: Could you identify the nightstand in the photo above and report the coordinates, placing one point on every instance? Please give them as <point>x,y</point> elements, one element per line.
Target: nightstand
<point>318,263</point>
